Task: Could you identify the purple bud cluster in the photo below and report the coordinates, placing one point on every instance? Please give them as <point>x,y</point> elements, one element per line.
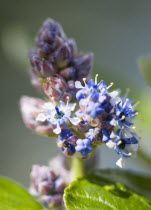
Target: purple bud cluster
<point>48,184</point>
<point>57,56</point>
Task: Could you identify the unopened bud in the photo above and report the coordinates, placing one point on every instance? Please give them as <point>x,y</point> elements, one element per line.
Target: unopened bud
<point>72,45</point>
<point>55,87</point>
<point>62,56</point>
<point>46,68</point>
<point>68,73</point>
<point>83,64</point>
<point>30,108</point>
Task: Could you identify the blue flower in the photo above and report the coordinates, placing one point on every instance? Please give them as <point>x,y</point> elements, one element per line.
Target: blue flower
<point>58,115</point>
<point>125,146</point>
<point>91,134</point>
<point>91,89</point>
<point>124,113</point>
<point>83,146</point>
<point>94,109</point>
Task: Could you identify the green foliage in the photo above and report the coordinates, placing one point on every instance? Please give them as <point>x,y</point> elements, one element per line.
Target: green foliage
<point>14,196</point>
<point>144,64</point>
<point>102,190</point>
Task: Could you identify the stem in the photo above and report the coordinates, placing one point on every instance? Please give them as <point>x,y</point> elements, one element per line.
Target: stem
<point>77,167</point>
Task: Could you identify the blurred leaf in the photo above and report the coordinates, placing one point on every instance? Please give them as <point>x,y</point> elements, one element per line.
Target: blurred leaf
<point>101,191</point>
<point>13,197</point>
<point>144,64</point>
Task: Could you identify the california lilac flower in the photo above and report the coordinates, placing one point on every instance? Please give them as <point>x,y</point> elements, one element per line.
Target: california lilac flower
<point>124,146</point>
<point>91,134</point>
<point>83,146</point>
<point>81,111</point>
<point>94,109</point>
<point>124,112</point>
<point>67,141</point>
<point>58,114</point>
<point>92,89</point>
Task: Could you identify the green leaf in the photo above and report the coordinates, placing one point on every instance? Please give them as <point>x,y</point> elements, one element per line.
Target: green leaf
<point>138,183</point>
<point>144,64</point>
<point>13,197</point>
<point>101,190</point>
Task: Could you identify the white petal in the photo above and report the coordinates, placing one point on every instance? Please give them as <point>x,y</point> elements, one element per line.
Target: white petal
<point>78,85</point>
<point>114,93</point>
<point>110,144</point>
<point>113,122</point>
<point>74,120</point>
<point>102,98</point>
<point>113,135</point>
<point>83,102</point>
<point>121,162</point>
<point>41,117</point>
<point>57,130</point>
<point>114,100</point>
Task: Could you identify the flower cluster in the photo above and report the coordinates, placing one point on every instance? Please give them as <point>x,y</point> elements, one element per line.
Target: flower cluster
<point>108,119</point>
<point>101,117</point>
<point>81,112</point>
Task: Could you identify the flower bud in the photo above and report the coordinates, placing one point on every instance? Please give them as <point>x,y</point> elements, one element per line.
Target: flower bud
<point>55,87</point>
<point>62,56</point>
<point>48,183</point>
<point>68,73</point>
<point>72,45</point>
<point>49,30</point>
<point>30,108</point>
<point>46,69</point>
<point>41,67</point>
<point>83,64</point>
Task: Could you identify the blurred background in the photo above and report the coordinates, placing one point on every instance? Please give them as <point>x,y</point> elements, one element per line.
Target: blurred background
<point>117,32</point>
